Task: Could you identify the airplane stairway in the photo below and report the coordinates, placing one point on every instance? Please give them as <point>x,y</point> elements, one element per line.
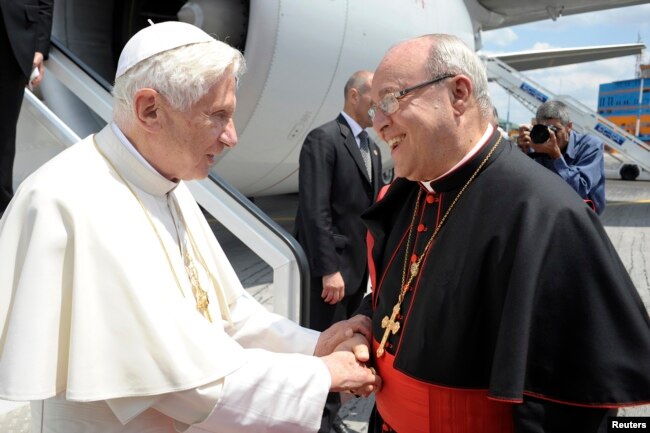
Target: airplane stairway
<point>585,120</point>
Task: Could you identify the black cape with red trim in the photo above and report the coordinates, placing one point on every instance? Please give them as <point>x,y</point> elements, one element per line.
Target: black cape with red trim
<point>522,292</point>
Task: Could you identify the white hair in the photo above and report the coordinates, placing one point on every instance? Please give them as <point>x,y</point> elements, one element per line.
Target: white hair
<point>183,75</point>
<point>450,54</point>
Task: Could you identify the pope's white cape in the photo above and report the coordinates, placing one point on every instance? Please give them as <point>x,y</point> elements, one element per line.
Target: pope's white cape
<point>88,303</point>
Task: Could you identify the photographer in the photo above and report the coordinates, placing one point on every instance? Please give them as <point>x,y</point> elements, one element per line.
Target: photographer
<point>577,158</point>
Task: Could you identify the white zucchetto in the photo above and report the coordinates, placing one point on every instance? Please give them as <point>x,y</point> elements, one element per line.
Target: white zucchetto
<point>156,39</point>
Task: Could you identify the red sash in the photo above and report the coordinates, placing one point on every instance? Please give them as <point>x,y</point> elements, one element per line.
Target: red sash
<point>408,405</point>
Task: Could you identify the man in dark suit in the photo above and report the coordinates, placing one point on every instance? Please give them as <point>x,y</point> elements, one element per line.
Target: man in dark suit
<point>336,185</point>
<point>25,28</point>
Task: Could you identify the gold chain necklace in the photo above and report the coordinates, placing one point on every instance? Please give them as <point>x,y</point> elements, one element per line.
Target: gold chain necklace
<point>391,325</point>
<point>200,295</point>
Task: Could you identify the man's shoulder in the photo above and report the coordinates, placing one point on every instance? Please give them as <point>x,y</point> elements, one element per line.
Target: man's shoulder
<point>69,168</point>
<point>329,130</point>
<point>518,173</point>
<point>524,181</point>
<point>333,125</point>
<point>584,139</point>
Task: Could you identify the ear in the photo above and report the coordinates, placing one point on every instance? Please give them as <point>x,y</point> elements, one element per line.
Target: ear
<point>147,106</point>
<point>354,95</point>
<point>461,93</point>
<point>569,126</point>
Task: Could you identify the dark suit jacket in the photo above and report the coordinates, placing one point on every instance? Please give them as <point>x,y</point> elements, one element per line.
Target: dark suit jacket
<point>333,192</point>
<point>24,29</point>
<point>28,24</point>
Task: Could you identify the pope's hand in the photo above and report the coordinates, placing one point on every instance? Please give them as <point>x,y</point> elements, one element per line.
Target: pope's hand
<point>359,346</point>
<point>348,374</point>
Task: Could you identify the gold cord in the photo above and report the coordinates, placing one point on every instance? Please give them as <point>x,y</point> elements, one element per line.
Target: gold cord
<point>391,325</point>
<point>200,295</point>
<point>223,303</point>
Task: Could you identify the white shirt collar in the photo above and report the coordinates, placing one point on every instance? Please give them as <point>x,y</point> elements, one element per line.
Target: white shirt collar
<point>354,126</point>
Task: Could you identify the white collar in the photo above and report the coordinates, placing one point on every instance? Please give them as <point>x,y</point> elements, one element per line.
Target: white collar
<point>136,169</point>
<point>354,126</point>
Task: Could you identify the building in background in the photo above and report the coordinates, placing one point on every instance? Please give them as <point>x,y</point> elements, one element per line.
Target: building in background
<point>627,103</point>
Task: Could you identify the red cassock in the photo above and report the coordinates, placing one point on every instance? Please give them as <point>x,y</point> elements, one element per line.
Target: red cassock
<point>409,405</point>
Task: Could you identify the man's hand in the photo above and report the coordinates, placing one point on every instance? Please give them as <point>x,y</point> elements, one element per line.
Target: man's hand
<point>37,63</point>
<point>550,147</point>
<point>333,288</point>
<point>523,139</point>
<point>350,375</point>
<point>342,331</point>
<point>357,344</point>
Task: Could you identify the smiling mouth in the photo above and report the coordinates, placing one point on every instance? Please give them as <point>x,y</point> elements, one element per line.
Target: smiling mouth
<point>395,141</point>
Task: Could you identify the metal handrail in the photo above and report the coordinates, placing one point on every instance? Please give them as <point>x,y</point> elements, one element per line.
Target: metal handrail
<point>298,283</point>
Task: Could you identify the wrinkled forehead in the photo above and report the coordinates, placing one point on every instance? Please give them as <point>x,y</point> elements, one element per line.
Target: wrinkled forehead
<point>402,66</point>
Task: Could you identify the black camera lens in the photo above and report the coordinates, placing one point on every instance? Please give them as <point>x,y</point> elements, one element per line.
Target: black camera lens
<point>539,134</point>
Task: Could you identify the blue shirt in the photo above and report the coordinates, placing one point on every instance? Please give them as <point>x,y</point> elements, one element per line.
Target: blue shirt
<point>582,166</point>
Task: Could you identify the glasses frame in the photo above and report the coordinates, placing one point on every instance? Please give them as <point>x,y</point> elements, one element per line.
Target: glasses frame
<point>396,96</point>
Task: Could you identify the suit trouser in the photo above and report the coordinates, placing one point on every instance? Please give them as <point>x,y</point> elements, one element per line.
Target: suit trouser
<point>321,317</point>
<point>12,89</point>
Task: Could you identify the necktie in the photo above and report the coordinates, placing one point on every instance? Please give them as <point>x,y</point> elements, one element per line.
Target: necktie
<point>364,144</point>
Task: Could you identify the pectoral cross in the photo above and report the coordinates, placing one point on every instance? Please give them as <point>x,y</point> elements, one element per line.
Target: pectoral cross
<point>391,325</point>
<point>202,303</point>
<point>200,295</point>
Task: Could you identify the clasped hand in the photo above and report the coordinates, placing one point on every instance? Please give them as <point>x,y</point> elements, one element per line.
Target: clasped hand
<point>344,349</point>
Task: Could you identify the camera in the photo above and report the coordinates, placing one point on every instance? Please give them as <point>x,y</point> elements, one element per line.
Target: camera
<point>540,133</point>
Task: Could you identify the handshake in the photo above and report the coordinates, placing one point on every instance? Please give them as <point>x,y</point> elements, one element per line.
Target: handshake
<point>344,348</point>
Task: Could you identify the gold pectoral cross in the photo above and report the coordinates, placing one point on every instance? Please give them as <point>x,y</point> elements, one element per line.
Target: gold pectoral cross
<point>391,325</point>
<point>202,302</point>
<point>200,295</point>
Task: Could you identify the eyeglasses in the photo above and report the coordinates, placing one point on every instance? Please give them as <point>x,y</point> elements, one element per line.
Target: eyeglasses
<point>390,102</point>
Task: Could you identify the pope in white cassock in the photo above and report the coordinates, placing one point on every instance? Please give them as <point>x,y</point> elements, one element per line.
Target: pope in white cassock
<point>119,311</point>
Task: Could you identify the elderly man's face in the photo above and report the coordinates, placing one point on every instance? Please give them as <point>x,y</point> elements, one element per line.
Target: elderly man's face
<point>415,133</point>
<point>195,138</point>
